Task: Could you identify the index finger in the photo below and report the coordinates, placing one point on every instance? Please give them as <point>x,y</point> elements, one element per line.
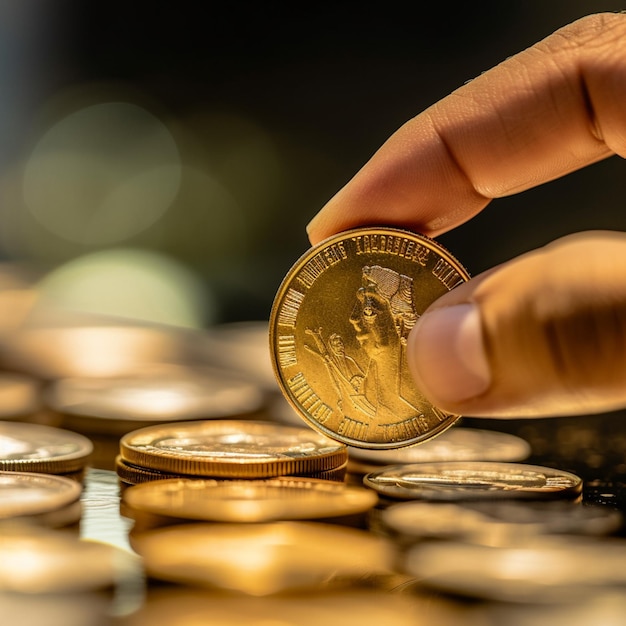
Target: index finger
<point>547,111</point>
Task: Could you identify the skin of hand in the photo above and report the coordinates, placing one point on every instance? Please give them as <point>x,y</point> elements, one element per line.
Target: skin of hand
<point>543,334</point>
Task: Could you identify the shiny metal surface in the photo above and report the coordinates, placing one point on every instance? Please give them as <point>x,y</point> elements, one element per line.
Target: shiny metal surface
<point>338,333</point>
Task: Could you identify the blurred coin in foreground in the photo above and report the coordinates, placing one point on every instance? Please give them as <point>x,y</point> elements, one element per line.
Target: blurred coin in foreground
<point>261,559</point>
<point>30,494</point>
<point>231,449</point>
<point>35,561</point>
<point>497,522</point>
<point>455,444</point>
<point>29,447</point>
<point>338,332</point>
<point>96,349</point>
<point>546,570</point>
<point>186,606</point>
<point>275,499</point>
<point>155,395</point>
<point>472,480</point>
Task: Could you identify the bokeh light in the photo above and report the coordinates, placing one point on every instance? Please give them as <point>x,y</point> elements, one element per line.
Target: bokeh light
<point>102,173</point>
<point>130,283</point>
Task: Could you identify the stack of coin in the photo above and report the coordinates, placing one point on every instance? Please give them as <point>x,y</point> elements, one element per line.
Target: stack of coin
<point>228,449</point>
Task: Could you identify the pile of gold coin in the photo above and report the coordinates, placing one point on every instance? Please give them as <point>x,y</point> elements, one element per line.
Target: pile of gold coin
<point>228,449</point>
<point>308,482</point>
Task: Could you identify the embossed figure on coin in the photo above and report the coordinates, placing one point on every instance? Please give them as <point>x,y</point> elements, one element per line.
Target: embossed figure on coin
<point>382,318</point>
<point>346,374</point>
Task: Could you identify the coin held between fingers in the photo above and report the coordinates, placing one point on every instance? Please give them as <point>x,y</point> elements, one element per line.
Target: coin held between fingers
<point>446,354</point>
<point>338,335</point>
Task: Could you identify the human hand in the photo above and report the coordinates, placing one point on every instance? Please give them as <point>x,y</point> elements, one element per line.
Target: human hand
<point>545,333</point>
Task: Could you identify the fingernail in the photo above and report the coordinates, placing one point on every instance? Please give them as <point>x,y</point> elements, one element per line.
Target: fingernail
<point>446,354</point>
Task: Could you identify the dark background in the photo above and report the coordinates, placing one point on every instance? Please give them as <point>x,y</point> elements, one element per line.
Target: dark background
<point>325,85</point>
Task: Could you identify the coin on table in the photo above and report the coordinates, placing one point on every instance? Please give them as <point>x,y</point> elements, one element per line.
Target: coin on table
<point>338,332</point>
<point>135,475</point>
<point>502,522</point>
<point>231,449</point>
<point>293,498</point>
<point>29,493</point>
<point>545,570</point>
<point>156,395</point>
<point>46,449</point>
<point>455,444</point>
<point>261,559</point>
<point>34,561</point>
<point>473,480</point>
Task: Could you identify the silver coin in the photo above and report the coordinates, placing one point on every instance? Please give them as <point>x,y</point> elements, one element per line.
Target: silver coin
<point>37,448</point>
<point>545,571</point>
<point>29,493</point>
<point>472,480</point>
<point>455,444</point>
<point>501,522</point>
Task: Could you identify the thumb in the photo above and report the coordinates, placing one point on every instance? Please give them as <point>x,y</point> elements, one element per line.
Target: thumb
<point>541,335</point>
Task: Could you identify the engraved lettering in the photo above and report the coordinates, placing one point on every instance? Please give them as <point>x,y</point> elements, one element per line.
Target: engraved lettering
<point>289,308</point>
<point>308,399</point>
<point>407,429</point>
<point>447,274</point>
<point>393,246</point>
<point>317,265</point>
<point>440,415</point>
<point>287,350</point>
<point>352,428</point>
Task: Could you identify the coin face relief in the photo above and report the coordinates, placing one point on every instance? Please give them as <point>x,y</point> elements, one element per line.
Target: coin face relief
<point>338,332</point>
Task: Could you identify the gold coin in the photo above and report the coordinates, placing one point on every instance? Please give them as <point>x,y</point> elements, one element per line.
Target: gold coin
<point>261,559</point>
<point>29,493</point>
<point>293,498</point>
<point>45,449</point>
<point>135,475</point>
<point>231,449</point>
<point>338,332</point>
